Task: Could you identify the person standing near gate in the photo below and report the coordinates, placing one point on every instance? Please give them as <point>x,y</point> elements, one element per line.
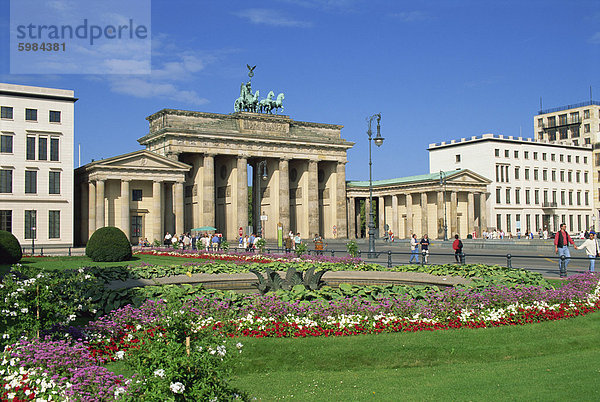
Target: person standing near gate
<point>425,247</point>
<point>457,246</point>
<point>561,246</point>
<point>414,249</point>
<point>591,248</point>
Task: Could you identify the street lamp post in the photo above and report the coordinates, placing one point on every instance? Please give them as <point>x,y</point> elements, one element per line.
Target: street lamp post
<point>261,167</point>
<point>378,141</point>
<point>443,184</point>
<point>32,240</point>
<point>594,221</point>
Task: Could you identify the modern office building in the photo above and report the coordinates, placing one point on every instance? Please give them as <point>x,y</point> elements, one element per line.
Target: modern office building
<point>36,164</point>
<point>577,124</point>
<point>534,185</point>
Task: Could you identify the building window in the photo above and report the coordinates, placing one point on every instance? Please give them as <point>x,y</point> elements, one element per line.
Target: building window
<point>570,198</point>
<point>6,220</point>
<point>535,156</point>
<point>6,181</point>
<point>586,198</point>
<point>575,117</point>
<point>554,197</point>
<point>579,198</point>
<point>136,226</point>
<point>457,158</point>
<point>585,177</point>
<point>526,154</point>
<point>585,159</point>
<point>545,175</point>
<point>552,135</point>
<point>545,196</point>
<point>54,116</point>
<point>508,195</point>
<point>563,133</point>
<point>497,152</point>
<point>575,142</point>
<point>31,114</point>
<point>136,195</point>
<point>540,122</point>
<point>553,157</point>
<point>527,222</point>
<point>30,181</point>
<point>586,128</point>
<point>562,119</point>
<point>499,221</point>
<point>536,195</point>
<point>30,152</point>
<point>577,159</point>
<point>554,175</point>
<point>516,154</point>
<point>6,112</point>
<point>536,175</point>
<point>577,177</point>
<point>562,197</point>
<point>54,149</point>
<point>30,222</point>
<point>53,224</point>
<point>562,158</point>
<point>516,173</point>
<point>526,174</point>
<point>517,196</point>
<point>508,223</point>
<point>562,176</point>
<point>506,153</point>
<point>570,223</point>
<point>586,114</point>
<point>54,183</point>
<point>544,156</point>
<point>498,197</point>
<point>569,176</point>
<point>6,144</point>
<point>568,158</point>
<point>42,148</point>
<point>587,141</point>
<point>527,197</point>
<point>537,222</point>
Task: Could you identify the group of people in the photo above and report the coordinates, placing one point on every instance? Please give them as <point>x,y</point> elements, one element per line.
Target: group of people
<point>562,240</point>
<point>248,243</point>
<point>197,241</point>
<point>424,244</point>
<point>292,241</point>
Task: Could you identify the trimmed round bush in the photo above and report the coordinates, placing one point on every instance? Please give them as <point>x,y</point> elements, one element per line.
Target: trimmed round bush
<point>108,244</point>
<point>10,248</point>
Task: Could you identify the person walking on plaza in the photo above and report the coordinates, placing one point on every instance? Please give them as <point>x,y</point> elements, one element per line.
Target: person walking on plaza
<point>457,246</point>
<point>168,238</point>
<point>414,250</point>
<point>561,246</point>
<point>425,247</point>
<point>591,247</point>
<point>289,244</point>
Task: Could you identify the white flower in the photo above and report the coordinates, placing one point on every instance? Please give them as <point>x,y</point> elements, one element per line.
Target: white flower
<point>120,355</point>
<point>177,387</point>
<point>159,373</point>
<point>119,391</point>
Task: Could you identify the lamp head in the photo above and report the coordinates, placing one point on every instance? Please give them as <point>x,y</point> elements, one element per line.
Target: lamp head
<point>378,138</point>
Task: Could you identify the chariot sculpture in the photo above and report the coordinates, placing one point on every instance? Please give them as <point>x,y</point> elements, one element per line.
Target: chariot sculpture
<point>249,102</point>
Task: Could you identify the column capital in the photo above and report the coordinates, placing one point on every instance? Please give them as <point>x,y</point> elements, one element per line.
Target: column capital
<point>285,158</point>
<point>157,181</point>
<point>126,180</point>
<point>210,154</point>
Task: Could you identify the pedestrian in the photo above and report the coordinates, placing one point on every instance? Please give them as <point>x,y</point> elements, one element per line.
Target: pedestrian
<point>289,244</point>
<point>457,245</point>
<point>167,241</point>
<point>251,242</point>
<point>561,246</point>
<point>425,247</point>
<point>297,241</point>
<point>245,242</point>
<point>215,242</point>
<point>187,241</point>
<point>414,249</point>
<point>591,248</point>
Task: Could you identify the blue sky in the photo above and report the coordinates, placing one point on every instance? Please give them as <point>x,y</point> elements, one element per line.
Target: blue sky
<point>435,70</point>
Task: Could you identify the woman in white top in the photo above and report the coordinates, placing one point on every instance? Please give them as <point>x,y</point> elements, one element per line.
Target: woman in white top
<point>591,249</point>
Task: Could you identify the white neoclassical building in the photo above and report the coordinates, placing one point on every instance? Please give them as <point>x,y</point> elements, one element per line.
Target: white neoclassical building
<point>36,164</point>
<point>534,185</point>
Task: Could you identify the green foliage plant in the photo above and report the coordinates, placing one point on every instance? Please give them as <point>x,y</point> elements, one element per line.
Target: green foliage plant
<point>273,282</point>
<point>260,245</point>
<point>300,249</point>
<point>108,244</point>
<point>352,248</point>
<point>225,245</point>
<point>10,249</point>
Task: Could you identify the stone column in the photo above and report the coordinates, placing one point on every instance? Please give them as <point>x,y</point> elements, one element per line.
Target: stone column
<point>313,199</point>
<point>125,208</point>
<point>209,191</point>
<point>357,218</point>
<point>178,201</point>
<point>84,212</point>
<point>453,214</point>
<point>284,194</point>
<point>242,193</point>
<point>340,201</point>
<point>483,213</point>
<point>424,217</point>
<point>157,211</point>
<point>91,208</point>
<point>352,218</point>
<point>381,216</point>
<point>367,216</point>
<point>99,204</point>
<point>440,215</point>
<point>409,216</point>
<point>470,213</point>
<point>395,224</point>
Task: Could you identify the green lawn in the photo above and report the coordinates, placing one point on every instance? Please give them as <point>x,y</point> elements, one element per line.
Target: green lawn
<point>58,263</point>
<point>549,361</point>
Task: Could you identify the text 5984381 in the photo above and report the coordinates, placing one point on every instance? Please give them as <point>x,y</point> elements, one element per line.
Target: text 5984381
<point>41,47</point>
